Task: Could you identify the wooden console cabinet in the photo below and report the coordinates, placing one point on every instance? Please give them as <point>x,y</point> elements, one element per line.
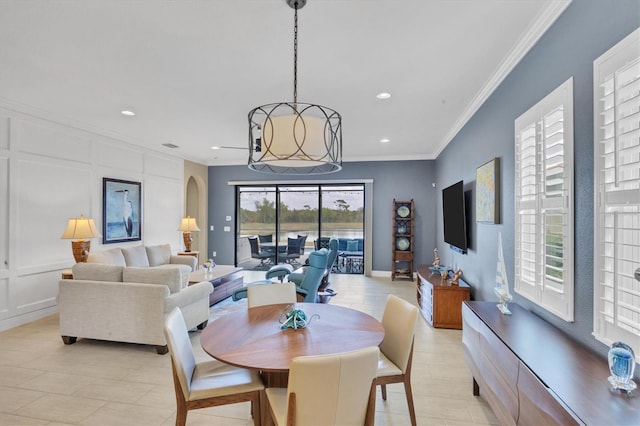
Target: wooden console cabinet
<point>531,373</point>
<point>440,304</point>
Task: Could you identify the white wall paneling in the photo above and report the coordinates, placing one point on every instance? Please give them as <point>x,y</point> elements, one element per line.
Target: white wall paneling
<point>114,155</point>
<point>4,297</point>
<point>49,194</point>
<point>47,139</point>
<point>162,165</point>
<point>4,214</point>
<point>33,292</point>
<point>4,130</point>
<point>162,205</point>
<point>50,172</point>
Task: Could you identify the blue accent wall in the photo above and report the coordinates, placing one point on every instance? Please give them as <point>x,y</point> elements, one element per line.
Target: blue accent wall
<point>401,180</point>
<point>585,30</point>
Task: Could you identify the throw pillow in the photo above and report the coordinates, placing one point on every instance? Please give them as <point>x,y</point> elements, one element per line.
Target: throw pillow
<point>97,272</point>
<point>159,255</point>
<point>352,245</point>
<point>171,277</point>
<point>108,257</point>
<point>136,256</point>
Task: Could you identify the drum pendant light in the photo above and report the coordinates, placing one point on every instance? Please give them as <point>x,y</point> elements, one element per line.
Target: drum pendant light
<point>295,137</point>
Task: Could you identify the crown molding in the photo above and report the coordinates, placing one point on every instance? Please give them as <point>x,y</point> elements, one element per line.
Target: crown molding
<point>545,19</point>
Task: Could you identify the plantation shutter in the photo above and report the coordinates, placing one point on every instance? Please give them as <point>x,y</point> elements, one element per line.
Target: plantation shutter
<point>617,196</point>
<point>544,202</point>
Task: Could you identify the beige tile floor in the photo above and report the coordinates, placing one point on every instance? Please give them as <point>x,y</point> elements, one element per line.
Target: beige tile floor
<point>44,382</point>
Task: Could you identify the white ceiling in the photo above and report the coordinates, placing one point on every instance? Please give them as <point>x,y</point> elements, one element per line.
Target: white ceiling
<point>192,69</point>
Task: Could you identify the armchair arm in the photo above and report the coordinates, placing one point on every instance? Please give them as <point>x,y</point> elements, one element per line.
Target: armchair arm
<point>188,295</point>
<point>296,278</point>
<point>190,261</point>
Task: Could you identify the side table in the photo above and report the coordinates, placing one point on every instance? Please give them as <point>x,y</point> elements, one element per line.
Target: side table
<point>195,254</point>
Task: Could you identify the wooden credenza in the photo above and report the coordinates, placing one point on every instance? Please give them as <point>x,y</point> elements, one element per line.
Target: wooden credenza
<point>440,304</point>
<point>531,373</point>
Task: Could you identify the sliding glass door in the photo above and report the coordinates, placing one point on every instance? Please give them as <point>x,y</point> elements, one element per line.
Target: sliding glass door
<point>288,221</point>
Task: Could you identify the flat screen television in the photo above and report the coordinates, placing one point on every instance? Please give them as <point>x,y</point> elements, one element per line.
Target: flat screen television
<point>454,217</point>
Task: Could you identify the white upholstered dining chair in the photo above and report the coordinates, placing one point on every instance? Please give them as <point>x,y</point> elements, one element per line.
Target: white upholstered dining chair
<point>396,350</point>
<point>336,389</point>
<point>270,294</point>
<point>209,383</point>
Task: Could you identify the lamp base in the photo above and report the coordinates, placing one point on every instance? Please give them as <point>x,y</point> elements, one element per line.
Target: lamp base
<point>80,250</point>
<point>186,237</point>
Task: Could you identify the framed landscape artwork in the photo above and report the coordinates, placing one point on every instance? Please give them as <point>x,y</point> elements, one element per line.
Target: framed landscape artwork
<point>121,218</point>
<point>488,192</point>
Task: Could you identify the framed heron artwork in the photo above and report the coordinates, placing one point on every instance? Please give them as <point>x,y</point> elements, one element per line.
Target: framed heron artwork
<point>121,211</point>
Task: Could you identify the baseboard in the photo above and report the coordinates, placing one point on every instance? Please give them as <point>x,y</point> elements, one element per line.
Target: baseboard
<point>19,320</point>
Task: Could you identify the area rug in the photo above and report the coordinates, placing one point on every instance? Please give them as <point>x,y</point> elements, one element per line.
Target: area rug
<point>226,306</point>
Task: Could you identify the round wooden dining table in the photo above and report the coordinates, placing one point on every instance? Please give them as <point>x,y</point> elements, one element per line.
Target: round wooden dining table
<point>252,338</point>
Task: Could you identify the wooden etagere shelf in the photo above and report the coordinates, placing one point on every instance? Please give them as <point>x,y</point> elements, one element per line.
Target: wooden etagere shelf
<point>402,240</point>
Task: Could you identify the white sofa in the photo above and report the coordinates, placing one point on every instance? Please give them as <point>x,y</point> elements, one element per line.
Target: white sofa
<point>128,304</point>
<point>142,257</point>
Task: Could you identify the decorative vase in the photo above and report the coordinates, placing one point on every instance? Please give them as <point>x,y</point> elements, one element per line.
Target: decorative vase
<point>622,363</point>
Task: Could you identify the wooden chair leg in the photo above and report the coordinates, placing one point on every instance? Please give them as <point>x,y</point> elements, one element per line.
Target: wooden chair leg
<point>371,406</point>
<point>409,394</point>
<point>383,388</point>
<point>256,410</point>
<point>181,415</point>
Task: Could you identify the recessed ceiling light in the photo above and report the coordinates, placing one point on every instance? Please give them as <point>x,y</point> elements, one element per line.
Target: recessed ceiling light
<point>127,113</point>
<point>385,140</point>
<point>215,147</point>
<point>383,95</point>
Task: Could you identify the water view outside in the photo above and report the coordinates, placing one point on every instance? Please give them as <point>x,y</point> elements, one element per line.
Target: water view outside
<point>341,215</point>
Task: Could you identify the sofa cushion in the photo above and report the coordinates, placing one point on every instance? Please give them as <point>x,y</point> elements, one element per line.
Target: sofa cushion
<point>171,277</point>
<point>352,245</point>
<point>159,255</point>
<point>97,272</point>
<point>108,257</point>
<point>136,256</point>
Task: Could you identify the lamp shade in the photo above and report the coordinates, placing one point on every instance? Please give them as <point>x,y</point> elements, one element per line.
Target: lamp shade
<point>188,224</point>
<point>80,228</point>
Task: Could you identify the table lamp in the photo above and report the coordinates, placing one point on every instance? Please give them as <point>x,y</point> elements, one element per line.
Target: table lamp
<point>187,226</point>
<point>80,230</point>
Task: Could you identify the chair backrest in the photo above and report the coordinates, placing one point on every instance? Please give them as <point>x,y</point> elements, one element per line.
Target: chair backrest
<point>322,242</point>
<point>293,246</point>
<point>303,241</point>
<point>333,389</point>
<point>314,273</point>
<point>270,294</point>
<point>184,361</point>
<point>399,322</point>
<point>267,238</point>
<point>333,253</point>
<point>253,242</point>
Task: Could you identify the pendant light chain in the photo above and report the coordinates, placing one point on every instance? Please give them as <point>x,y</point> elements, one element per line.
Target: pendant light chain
<point>295,54</point>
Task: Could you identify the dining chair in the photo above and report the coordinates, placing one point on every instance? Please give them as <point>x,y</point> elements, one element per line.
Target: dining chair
<point>270,294</point>
<point>208,383</point>
<point>266,238</point>
<point>293,250</point>
<point>336,389</point>
<point>256,253</point>
<point>396,350</point>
